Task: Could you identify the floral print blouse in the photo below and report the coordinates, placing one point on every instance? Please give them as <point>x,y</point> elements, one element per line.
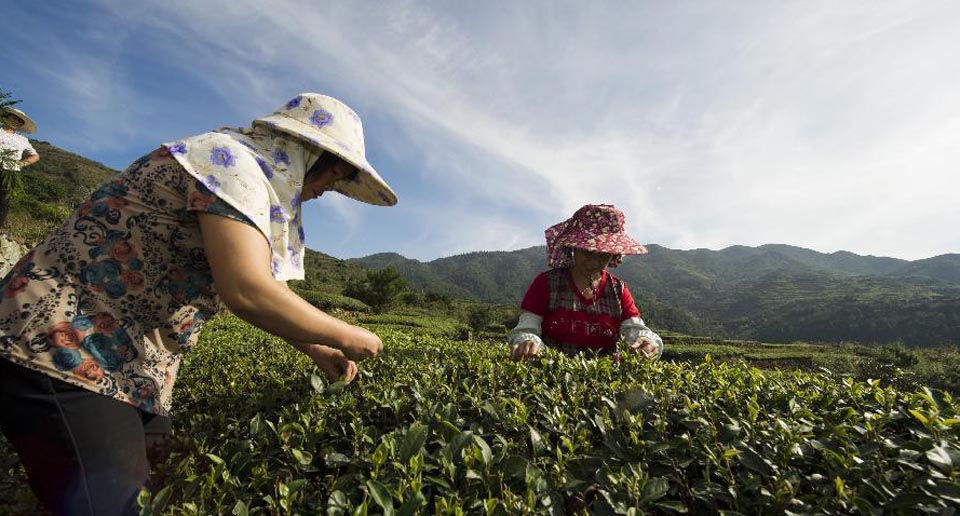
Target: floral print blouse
<point>112,299</point>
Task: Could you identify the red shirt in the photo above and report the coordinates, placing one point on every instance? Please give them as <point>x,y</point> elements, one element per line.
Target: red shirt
<point>571,319</point>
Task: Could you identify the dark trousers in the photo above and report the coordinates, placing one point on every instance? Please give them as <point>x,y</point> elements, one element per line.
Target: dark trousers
<point>84,453</point>
<point>4,204</point>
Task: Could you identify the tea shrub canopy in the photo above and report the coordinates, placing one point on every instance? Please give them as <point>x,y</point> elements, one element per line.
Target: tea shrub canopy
<point>436,426</point>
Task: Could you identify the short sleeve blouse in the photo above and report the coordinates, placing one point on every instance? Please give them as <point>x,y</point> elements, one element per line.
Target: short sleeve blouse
<point>112,299</point>
<point>17,144</point>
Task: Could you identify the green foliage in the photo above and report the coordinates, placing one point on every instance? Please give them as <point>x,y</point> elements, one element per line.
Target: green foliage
<point>480,317</point>
<point>438,426</point>
<point>420,323</point>
<point>6,99</point>
<point>329,301</point>
<point>894,364</point>
<point>414,298</point>
<point>898,355</point>
<point>10,180</point>
<point>380,288</point>
<point>328,274</point>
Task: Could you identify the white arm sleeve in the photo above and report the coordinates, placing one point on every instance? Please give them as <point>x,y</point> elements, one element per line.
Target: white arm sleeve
<point>633,328</point>
<point>528,328</point>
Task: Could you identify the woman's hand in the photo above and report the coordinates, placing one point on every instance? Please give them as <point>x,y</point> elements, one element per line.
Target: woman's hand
<point>647,346</point>
<point>525,350</point>
<point>333,363</point>
<point>361,344</point>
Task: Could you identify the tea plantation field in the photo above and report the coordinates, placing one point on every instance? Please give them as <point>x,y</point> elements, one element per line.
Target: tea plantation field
<point>439,426</point>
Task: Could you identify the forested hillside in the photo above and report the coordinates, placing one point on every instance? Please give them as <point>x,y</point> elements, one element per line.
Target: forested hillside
<point>52,188</point>
<point>773,293</point>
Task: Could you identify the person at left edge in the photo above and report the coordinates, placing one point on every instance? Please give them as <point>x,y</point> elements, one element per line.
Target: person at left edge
<point>18,152</point>
<point>95,320</point>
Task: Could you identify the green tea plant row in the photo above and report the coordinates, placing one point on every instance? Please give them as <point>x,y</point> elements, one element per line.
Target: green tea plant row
<point>417,324</point>
<point>434,426</point>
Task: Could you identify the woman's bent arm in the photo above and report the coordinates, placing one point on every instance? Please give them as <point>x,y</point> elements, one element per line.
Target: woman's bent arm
<point>240,261</point>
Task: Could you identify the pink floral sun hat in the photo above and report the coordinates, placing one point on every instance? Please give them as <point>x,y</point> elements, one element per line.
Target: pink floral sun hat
<point>594,227</point>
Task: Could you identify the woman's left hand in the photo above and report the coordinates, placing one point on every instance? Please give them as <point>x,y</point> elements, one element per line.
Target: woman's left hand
<point>333,363</point>
<point>645,345</point>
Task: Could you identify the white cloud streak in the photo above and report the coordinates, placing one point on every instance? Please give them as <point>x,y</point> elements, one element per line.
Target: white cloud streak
<point>822,124</point>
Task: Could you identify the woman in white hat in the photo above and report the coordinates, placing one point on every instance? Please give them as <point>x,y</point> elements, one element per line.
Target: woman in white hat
<point>121,290</point>
<point>577,306</point>
<point>15,151</point>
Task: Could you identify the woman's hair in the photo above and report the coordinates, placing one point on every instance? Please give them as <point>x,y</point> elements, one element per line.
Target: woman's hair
<point>325,161</point>
<point>6,114</point>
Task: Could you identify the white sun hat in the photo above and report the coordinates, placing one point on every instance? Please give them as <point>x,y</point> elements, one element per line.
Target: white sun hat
<point>331,125</point>
<point>29,126</point>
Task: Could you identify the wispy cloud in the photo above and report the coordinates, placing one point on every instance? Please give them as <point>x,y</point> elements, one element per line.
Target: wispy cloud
<point>823,124</point>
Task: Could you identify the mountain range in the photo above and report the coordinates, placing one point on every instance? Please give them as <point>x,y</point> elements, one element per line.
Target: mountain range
<point>774,293</point>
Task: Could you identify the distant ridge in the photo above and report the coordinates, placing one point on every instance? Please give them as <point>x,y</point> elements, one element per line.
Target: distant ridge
<point>945,267</point>
<point>772,292</point>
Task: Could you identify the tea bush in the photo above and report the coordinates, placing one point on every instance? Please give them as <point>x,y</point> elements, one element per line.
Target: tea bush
<point>444,427</point>
<point>417,323</point>
<point>329,300</point>
<point>435,426</point>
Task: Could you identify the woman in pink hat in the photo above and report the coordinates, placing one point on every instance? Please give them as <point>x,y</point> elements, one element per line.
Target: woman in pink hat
<point>577,306</point>
<point>94,322</point>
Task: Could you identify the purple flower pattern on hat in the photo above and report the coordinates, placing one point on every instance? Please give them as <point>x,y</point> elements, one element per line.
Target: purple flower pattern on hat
<point>321,117</point>
<point>294,102</point>
<point>177,148</point>
<point>222,156</point>
<point>594,227</point>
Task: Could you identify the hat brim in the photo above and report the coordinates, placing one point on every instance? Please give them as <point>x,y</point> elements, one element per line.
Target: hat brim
<point>611,243</point>
<point>367,187</point>
<point>29,126</point>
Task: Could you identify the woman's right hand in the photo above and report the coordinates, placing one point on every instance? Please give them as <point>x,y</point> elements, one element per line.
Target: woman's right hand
<point>525,350</point>
<point>361,343</point>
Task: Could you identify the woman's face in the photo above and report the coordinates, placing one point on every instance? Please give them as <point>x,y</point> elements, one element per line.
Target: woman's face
<point>590,261</point>
<point>12,122</point>
<point>323,179</point>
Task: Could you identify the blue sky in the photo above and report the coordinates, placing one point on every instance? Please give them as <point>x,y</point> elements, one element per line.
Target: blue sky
<point>823,124</point>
